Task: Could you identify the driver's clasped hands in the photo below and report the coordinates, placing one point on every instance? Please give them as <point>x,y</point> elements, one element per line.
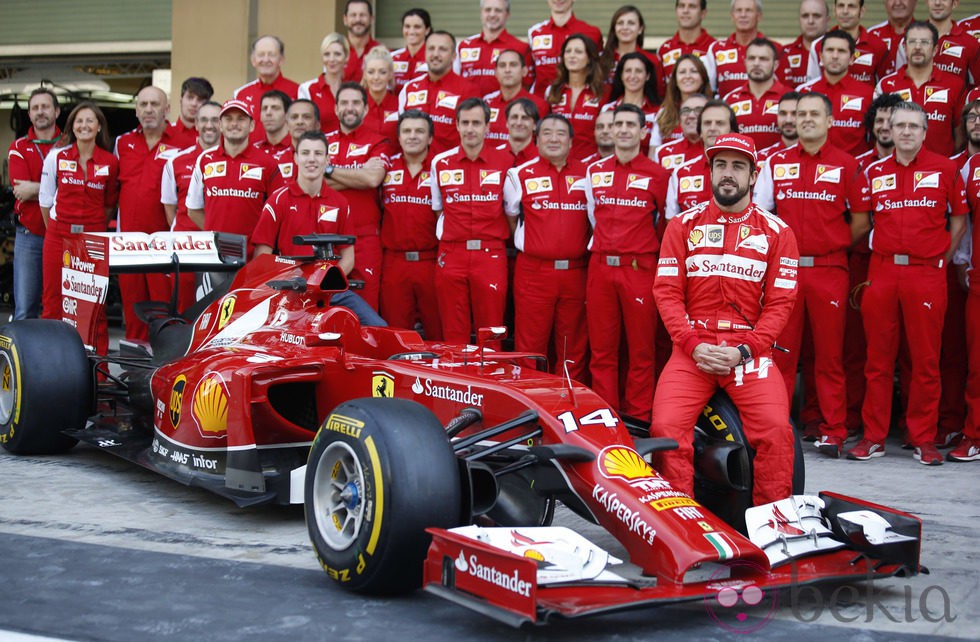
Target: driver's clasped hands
<point>716,359</point>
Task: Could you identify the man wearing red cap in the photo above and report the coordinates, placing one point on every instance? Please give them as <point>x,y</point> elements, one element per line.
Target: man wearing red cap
<point>725,286</point>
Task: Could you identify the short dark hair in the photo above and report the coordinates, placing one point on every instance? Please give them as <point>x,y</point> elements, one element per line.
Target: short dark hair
<point>44,90</point>
<point>307,101</point>
<point>732,120</point>
<point>275,94</point>
<point>471,103</point>
<point>790,95</point>
<point>441,32</point>
<point>419,13</point>
<point>922,24</point>
<point>704,4</point>
<point>840,34</point>
<point>633,109</point>
<point>884,101</point>
<point>829,106</point>
<point>197,86</point>
<point>558,117</point>
<point>765,42</point>
<point>527,104</point>
<point>416,114</point>
<point>356,86</point>
<point>350,2</point>
<point>313,135</point>
<point>519,55</point>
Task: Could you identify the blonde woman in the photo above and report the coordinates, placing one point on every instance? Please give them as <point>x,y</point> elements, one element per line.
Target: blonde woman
<point>382,104</point>
<point>322,90</point>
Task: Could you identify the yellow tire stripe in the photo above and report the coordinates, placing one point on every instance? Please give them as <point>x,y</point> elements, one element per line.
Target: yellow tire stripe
<point>18,382</point>
<point>379,494</point>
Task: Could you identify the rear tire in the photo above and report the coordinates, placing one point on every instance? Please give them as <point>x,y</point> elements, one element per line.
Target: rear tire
<point>380,472</point>
<point>46,386</point>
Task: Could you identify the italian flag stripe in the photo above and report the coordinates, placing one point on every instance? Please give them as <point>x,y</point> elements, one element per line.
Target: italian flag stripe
<point>725,550</point>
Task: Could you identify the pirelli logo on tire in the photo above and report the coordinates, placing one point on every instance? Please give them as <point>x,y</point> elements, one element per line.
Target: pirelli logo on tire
<point>344,425</point>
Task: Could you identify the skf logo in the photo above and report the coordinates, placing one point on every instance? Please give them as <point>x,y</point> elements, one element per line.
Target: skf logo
<point>416,98</point>
<point>394,178</point>
<point>726,56</point>
<point>328,214</point>
<point>541,42</point>
<point>785,170</point>
<point>883,183</point>
<point>936,95</point>
<point>828,174</point>
<point>211,406</point>
<point>67,165</point>
<point>851,103</point>
<point>454,177</point>
<point>926,179</point>
<point>489,178</point>
<point>215,169</point>
<point>382,385</point>
<point>177,400</point>
<point>690,184</point>
<point>536,185</point>
<point>227,309</point>
<point>602,179</point>
<point>742,107</point>
<point>470,54</point>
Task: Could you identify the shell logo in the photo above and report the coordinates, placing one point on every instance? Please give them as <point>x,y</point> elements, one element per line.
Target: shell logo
<point>695,237</point>
<point>66,259</point>
<point>617,462</point>
<point>211,406</point>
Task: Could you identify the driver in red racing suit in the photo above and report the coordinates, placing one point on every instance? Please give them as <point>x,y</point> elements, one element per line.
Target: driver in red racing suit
<point>725,286</point>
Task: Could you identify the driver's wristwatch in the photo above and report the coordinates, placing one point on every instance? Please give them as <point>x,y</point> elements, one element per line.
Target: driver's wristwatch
<point>745,352</point>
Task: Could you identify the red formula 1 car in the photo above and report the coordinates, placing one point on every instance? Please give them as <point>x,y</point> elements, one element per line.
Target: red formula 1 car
<point>419,463</point>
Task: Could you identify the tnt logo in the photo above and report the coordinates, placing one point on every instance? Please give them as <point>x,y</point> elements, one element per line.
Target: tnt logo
<point>740,605</point>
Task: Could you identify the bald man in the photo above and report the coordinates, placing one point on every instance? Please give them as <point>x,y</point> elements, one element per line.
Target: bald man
<point>142,153</point>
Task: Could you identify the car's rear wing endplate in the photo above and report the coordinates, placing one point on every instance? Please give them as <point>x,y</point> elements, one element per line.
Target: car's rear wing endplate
<point>173,251</point>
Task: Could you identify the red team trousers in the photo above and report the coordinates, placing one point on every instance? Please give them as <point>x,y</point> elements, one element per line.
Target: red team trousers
<point>472,285</point>
<point>409,291</point>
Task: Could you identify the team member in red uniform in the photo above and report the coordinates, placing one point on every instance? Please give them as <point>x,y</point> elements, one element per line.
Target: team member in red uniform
<point>849,97</point>
<point>545,200</point>
<point>893,29</point>
<point>814,187</point>
<point>142,153</point>
<point>322,90</point>
<point>635,83</point>
<point>675,153</point>
<point>232,180</point>
<point>958,52</point>
<point>547,40</point>
<point>786,124</point>
<point>522,118</point>
<point>510,70</point>
<point>625,36</point>
<point>358,162</point>
<point>307,205</point>
<point>25,161</point>
<point>194,92</point>
<point>268,54</point>
<point>476,56</point>
<point>690,183</point>
<point>756,103</point>
<point>725,319</point>
<point>689,78</point>
<point>578,91</point>
<point>439,91</point>
<point>358,18</point>
<point>920,81</point>
<point>409,61</point>
<point>382,107</point>
<point>725,60</point>
<point>971,25</point>
<point>690,37</point>
<point>467,196</point>
<point>796,55</point>
<point>78,193</point>
<point>869,62</point>
<point>969,258</point>
<point>408,231</point>
<point>604,141</point>
<point>273,116</point>
<point>301,117</point>
<point>625,194</point>
<point>912,191</point>
<point>176,179</point>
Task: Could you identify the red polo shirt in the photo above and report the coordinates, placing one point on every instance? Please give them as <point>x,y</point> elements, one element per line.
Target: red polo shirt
<point>408,224</point>
<point>910,204</point>
<point>942,98</point>
<point>870,63</point>
<point>850,99</point>
<point>793,63</point>
<point>546,40</point>
<point>725,62</point>
<point>438,98</point>
<point>757,116</point>
<point>322,96</point>
<point>351,151</point>
<point>498,108</point>
<point>624,200</point>
<point>287,165</point>
<point>174,183</point>
<point>470,194</point>
<point>959,54</point>
<point>812,194</point>
<point>582,115</point>
<point>183,136</point>
<point>555,223</point>
<point>689,185</point>
<point>382,118</point>
<point>407,66</point>
<point>140,169</point>
<point>232,189</point>
<point>354,69</point>
<point>530,152</point>
<point>650,112</point>
<point>25,161</point>
<point>275,151</point>
<point>675,153</point>
<point>476,59</point>
<point>673,48</point>
<point>252,94</point>
<point>892,39</point>
<point>292,212</point>
<point>971,25</point>
<point>75,196</point>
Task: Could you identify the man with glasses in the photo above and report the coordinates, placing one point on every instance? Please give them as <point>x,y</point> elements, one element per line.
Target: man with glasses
<point>675,153</point>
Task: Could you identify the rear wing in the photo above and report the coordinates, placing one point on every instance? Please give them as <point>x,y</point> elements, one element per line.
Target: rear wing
<point>89,258</point>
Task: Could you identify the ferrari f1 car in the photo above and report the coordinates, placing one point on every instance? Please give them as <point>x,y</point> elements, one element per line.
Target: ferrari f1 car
<point>419,463</point>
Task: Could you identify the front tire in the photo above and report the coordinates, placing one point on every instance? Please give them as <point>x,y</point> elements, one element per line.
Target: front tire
<point>380,472</point>
<point>46,386</point>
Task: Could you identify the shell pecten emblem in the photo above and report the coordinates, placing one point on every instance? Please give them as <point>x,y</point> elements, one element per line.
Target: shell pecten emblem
<point>623,463</point>
<point>210,408</point>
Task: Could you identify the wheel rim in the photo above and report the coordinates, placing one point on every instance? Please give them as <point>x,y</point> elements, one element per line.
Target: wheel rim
<point>8,389</point>
<point>338,496</point>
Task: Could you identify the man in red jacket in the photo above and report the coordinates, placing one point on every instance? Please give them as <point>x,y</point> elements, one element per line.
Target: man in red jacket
<point>725,286</point>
